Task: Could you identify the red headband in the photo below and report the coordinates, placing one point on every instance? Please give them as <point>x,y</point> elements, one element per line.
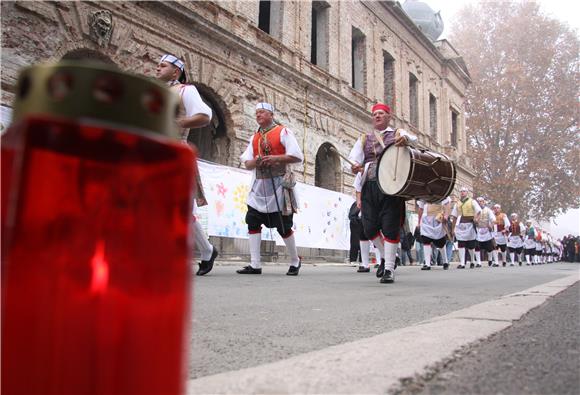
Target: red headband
<point>381,106</point>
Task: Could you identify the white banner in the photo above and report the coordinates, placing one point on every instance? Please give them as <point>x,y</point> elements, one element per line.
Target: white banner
<point>321,221</point>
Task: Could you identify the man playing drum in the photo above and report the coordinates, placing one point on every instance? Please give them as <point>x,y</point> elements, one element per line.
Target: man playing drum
<point>466,213</point>
<point>380,212</point>
<point>433,219</point>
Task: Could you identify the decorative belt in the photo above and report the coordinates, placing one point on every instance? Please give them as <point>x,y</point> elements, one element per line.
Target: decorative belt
<point>270,172</point>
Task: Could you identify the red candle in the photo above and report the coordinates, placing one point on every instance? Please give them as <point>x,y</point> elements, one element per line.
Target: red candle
<point>95,248</point>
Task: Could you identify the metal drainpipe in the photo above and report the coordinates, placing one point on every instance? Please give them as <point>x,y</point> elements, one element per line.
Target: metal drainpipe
<point>305,131</point>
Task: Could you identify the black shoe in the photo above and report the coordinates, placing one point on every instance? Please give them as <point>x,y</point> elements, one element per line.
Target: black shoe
<point>397,260</point>
<point>381,269</point>
<point>206,266</point>
<point>520,263</point>
<point>489,264</point>
<point>445,266</point>
<point>461,266</point>
<point>503,264</point>
<point>471,265</point>
<point>425,267</point>
<point>249,270</point>
<point>388,277</point>
<point>362,269</point>
<point>293,270</point>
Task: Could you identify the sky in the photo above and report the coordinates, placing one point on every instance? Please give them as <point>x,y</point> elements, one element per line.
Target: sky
<point>567,11</point>
<point>564,10</point>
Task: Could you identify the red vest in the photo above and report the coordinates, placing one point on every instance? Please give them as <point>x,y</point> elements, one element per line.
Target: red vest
<point>268,143</point>
<point>515,228</point>
<point>499,221</point>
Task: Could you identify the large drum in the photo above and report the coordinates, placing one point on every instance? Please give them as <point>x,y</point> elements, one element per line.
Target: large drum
<point>415,173</point>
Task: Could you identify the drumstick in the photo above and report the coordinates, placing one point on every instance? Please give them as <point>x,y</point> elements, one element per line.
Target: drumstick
<point>396,163</point>
<point>342,156</point>
<point>397,134</point>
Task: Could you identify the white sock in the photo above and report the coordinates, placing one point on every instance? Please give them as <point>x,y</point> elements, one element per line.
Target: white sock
<point>389,255</point>
<point>513,257</point>
<point>428,252</point>
<point>290,242</point>
<point>462,256</point>
<point>477,257</point>
<point>201,242</point>
<point>495,258</point>
<point>472,254</point>
<point>377,254</point>
<point>255,241</point>
<point>379,245</point>
<point>365,247</point>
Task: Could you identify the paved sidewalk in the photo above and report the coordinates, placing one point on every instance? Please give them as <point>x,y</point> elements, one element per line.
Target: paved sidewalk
<point>539,354</point>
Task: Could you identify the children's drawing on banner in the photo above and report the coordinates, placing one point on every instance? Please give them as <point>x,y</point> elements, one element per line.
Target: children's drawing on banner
<point>321,222</point>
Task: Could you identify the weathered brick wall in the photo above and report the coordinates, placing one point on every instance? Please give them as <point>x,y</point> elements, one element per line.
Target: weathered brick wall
<point>239,65</point>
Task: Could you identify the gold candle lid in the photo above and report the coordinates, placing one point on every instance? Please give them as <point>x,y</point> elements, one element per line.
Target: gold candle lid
<point>99,92</point>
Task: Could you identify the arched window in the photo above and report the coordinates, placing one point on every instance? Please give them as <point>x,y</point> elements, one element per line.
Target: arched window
<point>327,168</point>
<point>212,141</point>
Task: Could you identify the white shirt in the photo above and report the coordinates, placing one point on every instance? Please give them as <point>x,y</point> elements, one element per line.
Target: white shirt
<point>261,196</point>
<point>192,105</point>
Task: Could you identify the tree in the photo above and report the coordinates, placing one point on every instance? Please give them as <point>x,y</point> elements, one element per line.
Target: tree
<point>522,107</point>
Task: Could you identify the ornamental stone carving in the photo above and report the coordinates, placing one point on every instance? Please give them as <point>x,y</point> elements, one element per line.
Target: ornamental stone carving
<point>101,27</point>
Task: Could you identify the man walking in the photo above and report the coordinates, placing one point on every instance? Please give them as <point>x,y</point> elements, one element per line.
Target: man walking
<point>271,201</point>
<point>382,215</point>
<point>193,113</point>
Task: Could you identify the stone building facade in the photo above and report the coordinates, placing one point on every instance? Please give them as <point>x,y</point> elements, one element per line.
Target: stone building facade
<point>322,64</point>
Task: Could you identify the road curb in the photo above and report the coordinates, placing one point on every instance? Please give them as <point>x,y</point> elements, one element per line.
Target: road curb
<point>387,358</point>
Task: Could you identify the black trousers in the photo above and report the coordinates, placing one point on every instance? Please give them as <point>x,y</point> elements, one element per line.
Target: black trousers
<point>381,212</point>
<point>355,231</point>
<point>256,219</point>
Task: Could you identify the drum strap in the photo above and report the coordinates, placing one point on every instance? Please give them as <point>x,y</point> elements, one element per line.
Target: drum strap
<point>379,138</point>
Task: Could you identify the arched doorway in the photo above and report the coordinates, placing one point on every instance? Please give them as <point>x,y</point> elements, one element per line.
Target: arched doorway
<point>327,168</point>
<point>212,141</point>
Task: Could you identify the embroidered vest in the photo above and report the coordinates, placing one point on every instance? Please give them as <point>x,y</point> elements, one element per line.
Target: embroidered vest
<point>269,143</point>
<point>500,222</point>
<point>373,149</point>
<point>515,228</point>
<point>467,209</point>
<point>484,218</point>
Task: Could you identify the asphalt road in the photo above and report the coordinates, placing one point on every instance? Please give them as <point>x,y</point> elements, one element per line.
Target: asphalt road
<point>241,321</point>
<point>539,354</point>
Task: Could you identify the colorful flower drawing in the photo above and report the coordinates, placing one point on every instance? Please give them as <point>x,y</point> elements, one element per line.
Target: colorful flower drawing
<point>221,189</point>
<point>240,196</point>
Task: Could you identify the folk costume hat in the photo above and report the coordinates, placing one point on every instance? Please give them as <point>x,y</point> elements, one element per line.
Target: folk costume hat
<point>381,106</point>
<point>265,106</point>
<point>174,60</point>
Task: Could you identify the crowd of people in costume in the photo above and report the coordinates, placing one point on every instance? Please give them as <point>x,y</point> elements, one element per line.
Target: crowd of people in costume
<point>481,232</point>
